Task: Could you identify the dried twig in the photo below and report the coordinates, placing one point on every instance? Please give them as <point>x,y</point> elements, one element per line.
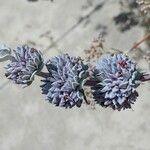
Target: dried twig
<point>146,37</point>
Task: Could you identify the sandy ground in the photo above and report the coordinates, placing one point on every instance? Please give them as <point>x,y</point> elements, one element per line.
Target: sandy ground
<point>27,121</point>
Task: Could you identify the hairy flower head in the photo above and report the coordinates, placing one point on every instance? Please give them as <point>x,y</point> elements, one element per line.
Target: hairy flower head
<point>64,85</point>
<point>25,63</point>
<point>117,78</point>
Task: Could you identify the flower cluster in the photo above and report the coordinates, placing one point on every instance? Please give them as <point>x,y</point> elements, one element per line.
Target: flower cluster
<point>117,78</point>
<point>25,63</point>
<point>64,85</point>
<point>113,82</point>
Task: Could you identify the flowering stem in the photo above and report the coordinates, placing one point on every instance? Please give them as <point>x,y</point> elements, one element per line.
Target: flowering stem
<point>90,82</point>
<point>145,77</point>
<point>43,74</point>
<point>146,37</point>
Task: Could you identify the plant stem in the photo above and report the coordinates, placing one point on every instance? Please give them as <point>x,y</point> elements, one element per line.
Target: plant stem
<point>146,37</point>
<point>43,74</point>
<point>145,77</point>
<point>90,82</point>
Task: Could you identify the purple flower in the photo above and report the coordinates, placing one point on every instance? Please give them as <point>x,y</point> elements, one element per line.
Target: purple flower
<point>117,78</point>
<point>64,86</point>
<point>24,65</point>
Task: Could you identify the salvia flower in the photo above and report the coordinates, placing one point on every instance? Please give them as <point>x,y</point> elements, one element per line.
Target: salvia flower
<point>64,85</point>
<point>25,63</point>
<point>117,78</point>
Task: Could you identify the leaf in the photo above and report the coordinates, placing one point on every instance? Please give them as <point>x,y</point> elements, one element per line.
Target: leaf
<point>5,53</point>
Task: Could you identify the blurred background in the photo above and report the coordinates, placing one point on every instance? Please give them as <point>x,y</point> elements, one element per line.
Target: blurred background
<point>27,121</point>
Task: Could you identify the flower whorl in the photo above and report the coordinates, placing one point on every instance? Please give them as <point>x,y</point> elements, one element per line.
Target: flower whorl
<point>116,75</point>
<point>64,85</point>
<point>24,65</point>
